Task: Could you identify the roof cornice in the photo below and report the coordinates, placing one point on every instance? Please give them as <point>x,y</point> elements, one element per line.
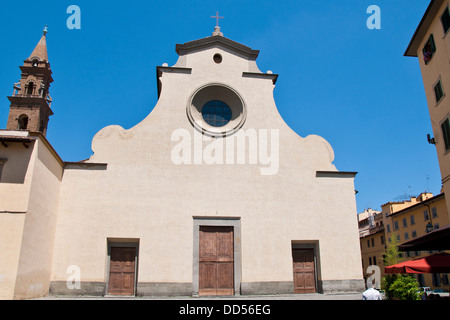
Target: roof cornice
<point>204,43</point>
<point>423,27</point>
<point>418,204</point>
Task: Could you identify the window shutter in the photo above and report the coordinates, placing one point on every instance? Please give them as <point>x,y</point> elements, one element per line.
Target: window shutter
<point>446,132</point>
<point>445,19</point>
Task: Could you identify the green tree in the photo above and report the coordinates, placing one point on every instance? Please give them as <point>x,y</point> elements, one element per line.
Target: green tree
<point>397,286</point>
<point>391,255</point>
<point>405,287</point>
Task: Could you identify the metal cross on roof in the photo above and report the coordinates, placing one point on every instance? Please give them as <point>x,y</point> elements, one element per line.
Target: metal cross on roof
<point>217,18</point>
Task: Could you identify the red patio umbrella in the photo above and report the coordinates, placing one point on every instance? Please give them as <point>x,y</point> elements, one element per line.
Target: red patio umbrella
<point>436,263</point>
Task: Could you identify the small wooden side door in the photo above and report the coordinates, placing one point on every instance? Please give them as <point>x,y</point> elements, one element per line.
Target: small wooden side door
<point>122,271</point>
<point>216,261</point>
<point>304,271</point>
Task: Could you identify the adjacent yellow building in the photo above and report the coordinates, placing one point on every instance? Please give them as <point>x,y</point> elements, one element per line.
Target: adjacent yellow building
<point>404,221</point>
<point>373,244</point>
<point>414,221</point>
<point>431,44</point>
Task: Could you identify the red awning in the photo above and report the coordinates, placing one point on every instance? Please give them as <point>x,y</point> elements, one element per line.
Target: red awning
<point>436,263</point>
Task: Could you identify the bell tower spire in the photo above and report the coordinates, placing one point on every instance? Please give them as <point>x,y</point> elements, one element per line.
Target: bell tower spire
<point>31,102</point>
<point>40,52</point>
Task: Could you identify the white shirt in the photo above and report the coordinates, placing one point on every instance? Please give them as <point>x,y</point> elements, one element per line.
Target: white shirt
<point>371,294</point>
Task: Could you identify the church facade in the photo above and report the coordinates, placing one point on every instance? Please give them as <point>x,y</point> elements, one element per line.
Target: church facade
<point>211,194</point>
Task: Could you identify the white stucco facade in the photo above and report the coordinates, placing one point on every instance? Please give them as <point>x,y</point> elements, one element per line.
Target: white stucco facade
<point>154,184</point>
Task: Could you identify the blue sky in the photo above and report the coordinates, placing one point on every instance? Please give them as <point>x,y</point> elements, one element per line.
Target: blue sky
<point>337,78</point>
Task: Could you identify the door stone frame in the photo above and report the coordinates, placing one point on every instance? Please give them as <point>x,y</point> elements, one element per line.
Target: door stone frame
<point>234,222</point>
<point>314,245</point>
<point>124,243</point>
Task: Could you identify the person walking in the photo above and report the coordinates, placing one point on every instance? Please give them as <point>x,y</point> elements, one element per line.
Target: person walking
<point>371,294</point>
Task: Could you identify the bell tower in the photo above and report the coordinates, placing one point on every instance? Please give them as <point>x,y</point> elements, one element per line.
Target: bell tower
<point>30,102</point>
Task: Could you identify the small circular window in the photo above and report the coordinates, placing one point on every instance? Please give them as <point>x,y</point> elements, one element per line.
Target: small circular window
<point>216,113</point>
<point>216,110</point>
<point>217,58</point>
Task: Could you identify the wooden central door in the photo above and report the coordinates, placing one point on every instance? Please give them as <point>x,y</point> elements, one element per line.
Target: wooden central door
<point>304,271</point>
<point>216,261</point>
<point>122,271</point>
